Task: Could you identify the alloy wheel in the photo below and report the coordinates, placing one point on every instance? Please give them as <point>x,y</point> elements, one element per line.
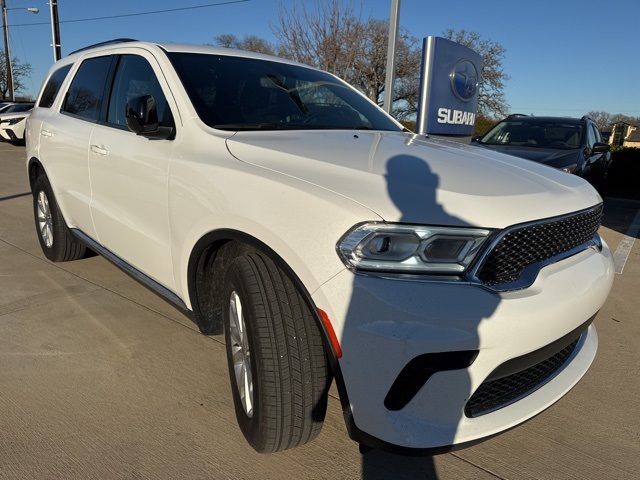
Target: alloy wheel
<point>241,354</point>
<point>45,222</point>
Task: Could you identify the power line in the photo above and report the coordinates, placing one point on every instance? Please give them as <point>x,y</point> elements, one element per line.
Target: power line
<point>110,17</point>
<point>566,109</point>
<point>24,53</point>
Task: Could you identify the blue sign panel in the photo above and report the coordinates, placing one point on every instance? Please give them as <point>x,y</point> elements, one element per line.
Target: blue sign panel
<point>448,88</point>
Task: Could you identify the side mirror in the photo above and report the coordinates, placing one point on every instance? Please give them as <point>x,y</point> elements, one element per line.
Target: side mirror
<point>141,115</point>
<point>600,147</point>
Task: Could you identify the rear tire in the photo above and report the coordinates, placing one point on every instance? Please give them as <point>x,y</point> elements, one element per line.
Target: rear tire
<point>56,241</point>
<point>277,366</point>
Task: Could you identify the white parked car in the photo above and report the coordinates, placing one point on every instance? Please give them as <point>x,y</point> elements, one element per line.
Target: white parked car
<point>12,126</point>
<point>15,107</point>
<point>449,291</point>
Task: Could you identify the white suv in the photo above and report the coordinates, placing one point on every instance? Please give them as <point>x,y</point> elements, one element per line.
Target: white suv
<point>449,290</point>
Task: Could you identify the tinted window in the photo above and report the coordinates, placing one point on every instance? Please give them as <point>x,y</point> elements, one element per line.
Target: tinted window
<point>539,134</point>
<point>85,93</point>
<point>134,77</point>
<point>235,93</point>
<point>52,87</point>
<point>18,107</point>
<point>591,136</point>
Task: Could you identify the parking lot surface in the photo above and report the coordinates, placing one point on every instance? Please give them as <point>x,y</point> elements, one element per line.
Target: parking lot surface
<point>101,379</point>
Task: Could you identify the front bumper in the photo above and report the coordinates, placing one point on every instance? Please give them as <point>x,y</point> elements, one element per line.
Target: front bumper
<point>385,323</point>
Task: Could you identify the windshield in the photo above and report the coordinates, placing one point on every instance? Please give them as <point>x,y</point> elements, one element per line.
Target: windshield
<point>18,107</point>
<point>555,135</point>
<point>235,93</point>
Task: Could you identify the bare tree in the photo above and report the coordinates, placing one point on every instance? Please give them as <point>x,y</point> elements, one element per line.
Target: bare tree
<point>492,100</point>
<point>332,36</point>
<point>19,71</point>
<point>326,35</point>
<point>406,88</point>
<point>250,43</point>
<point>371,65</point>
<point>620,117</point>
<point>601,119</point>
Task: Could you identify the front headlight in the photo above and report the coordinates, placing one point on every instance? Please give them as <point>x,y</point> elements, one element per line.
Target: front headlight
<point>13,121</point>
<point>411,249</point>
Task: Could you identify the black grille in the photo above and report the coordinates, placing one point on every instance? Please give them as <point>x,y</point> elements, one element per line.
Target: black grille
<point>535,243</point>
<point>495,394</point>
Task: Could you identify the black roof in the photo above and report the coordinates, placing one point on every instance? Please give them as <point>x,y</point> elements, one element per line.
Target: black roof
<point>634,137</point>
<point>623,123</point>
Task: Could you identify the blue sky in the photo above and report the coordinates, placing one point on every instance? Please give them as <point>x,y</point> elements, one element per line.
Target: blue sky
<point>565,57</point>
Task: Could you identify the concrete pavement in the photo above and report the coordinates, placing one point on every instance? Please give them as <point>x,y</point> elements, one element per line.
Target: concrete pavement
<point>101,379</point>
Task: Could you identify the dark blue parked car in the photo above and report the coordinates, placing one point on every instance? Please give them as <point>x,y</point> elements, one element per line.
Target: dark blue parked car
<point>574,145</point>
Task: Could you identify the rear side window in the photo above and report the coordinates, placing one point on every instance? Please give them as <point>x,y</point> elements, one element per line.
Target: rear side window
<point>52,87</point>
<point>84,98</point>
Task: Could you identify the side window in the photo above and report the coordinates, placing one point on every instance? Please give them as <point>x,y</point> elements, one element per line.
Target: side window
<point>591,136</point>
<point>84,98</point>
<point>596,133</point>
<point>135,77</point>
<point>52,87</point>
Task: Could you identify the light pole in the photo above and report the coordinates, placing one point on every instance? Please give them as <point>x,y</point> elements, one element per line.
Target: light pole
<point>55,30</point>
<point>5,30</point>
<point>394,22</point>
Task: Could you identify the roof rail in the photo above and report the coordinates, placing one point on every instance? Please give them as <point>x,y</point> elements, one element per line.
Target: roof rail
<point>115,41</point>
<point>513,115</point>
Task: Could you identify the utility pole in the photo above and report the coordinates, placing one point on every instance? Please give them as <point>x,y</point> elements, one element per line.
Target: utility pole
<point>7,54</point>
<point>55,29</point>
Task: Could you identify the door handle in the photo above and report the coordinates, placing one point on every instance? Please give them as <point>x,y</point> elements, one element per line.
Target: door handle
<point>46,133</point>
<point>99,149</point>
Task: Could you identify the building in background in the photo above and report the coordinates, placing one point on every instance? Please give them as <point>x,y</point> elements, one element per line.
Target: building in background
<point>624,135</point>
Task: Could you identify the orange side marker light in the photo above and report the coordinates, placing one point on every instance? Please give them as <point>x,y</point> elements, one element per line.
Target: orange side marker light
<point>332,334</point>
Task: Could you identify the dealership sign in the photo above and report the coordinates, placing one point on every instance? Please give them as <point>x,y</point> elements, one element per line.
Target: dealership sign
<point>449,85</point>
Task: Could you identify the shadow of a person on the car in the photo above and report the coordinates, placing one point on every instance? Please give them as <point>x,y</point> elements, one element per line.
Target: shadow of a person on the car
<point>426,418</point>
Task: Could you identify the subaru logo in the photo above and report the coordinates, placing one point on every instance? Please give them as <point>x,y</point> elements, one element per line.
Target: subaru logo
<point>464,80</point>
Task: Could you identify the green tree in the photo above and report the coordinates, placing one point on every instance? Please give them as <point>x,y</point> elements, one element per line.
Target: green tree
<point>483,124</point>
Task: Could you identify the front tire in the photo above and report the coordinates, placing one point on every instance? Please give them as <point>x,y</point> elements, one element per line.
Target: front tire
<point>55,239</point>
<point>277,366</point>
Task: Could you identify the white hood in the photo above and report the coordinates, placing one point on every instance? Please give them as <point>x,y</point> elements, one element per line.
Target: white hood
<point>405,177</point>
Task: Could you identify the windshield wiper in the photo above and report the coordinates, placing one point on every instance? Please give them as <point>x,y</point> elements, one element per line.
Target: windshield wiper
<point>248,126</point>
